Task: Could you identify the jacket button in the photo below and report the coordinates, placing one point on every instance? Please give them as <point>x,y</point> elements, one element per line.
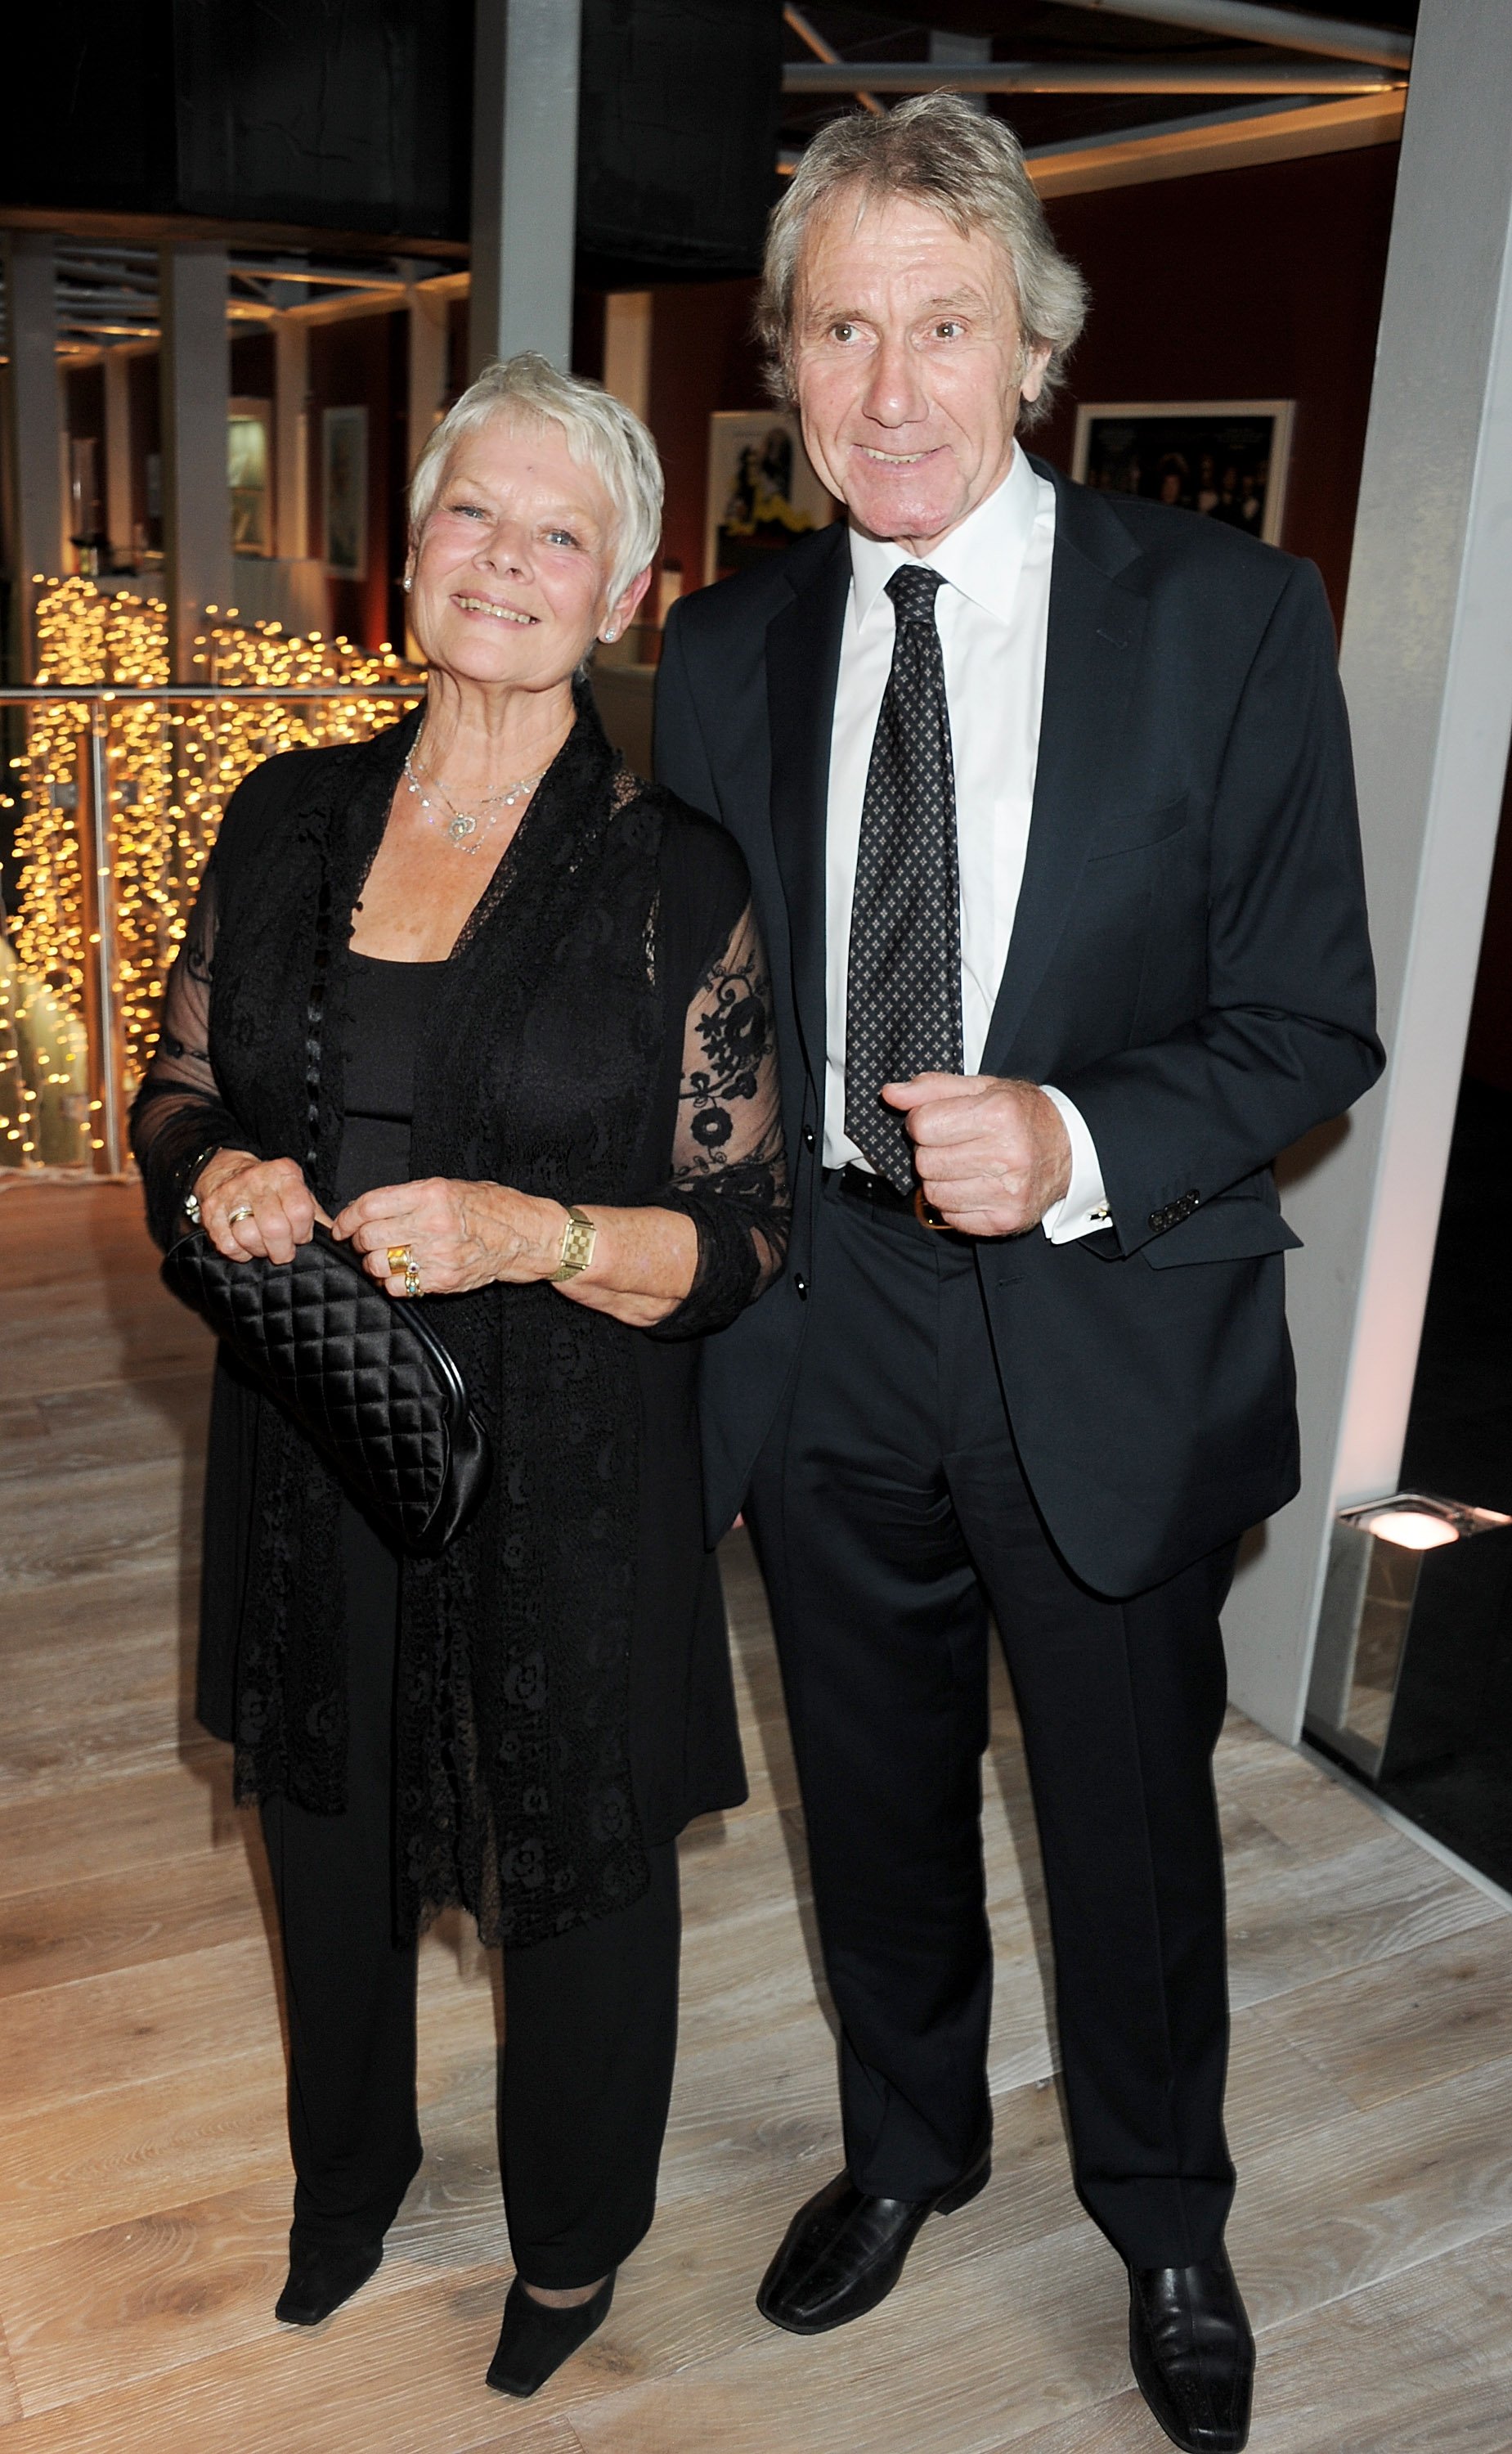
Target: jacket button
<point>799,1286</point>
<point>809,1137</point>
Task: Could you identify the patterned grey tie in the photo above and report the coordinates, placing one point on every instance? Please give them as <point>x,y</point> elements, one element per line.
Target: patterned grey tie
<point>903,993</point>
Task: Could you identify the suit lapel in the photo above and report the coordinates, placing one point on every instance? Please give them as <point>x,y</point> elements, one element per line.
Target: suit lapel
<point>802,662</point>
<point>1091,655</point>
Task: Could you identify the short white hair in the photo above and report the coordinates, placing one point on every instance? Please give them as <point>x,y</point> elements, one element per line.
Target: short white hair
<point>601,434</point>
<point>968,167</point>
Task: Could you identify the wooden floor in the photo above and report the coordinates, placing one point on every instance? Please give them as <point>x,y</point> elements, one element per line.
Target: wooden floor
<point>144,2190</point>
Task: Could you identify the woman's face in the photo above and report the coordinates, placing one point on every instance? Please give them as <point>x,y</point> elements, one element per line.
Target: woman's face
<point>510,573</point>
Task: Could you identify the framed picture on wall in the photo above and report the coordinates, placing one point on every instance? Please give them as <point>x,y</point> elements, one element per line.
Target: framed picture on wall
<point>344,471</point>
<point>763,492</point>
<point>248,470</point>
<point>1225,459</point>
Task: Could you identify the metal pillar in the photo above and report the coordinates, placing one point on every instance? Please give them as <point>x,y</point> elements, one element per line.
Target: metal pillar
<point>33,428</point>
<point>291,438</point>
<point>118,453</point>
<point>195,373</point>
<point>102,987</point>
<point>1427,671</point>
<point>525,148</point>
<point>427,366</point>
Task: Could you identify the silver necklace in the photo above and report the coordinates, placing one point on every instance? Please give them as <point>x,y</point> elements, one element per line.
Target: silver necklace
<point>460,826</point>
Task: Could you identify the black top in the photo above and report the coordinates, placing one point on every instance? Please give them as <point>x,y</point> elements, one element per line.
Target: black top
<point>384,1017</point>
<point>601,1032</point>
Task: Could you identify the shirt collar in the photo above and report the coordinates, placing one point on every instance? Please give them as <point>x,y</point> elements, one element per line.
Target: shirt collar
<point>982,557</point>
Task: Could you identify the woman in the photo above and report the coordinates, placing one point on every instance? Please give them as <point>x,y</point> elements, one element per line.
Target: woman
<point>500,1014</point>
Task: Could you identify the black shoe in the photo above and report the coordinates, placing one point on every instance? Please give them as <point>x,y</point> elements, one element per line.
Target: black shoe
<point>1193,2353</point>
<point>534,2341</point>
<point>843,2251</point>
<point>321,2277</point>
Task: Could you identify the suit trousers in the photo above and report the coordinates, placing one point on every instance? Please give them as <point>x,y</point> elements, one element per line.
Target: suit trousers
<point>590,2016</point>
<point>890,1517</point>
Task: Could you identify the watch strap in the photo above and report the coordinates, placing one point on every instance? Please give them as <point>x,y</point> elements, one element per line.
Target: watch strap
<point>579,1236</point>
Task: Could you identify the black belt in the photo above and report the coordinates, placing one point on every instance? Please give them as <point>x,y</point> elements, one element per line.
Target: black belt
<point>859,1184</point>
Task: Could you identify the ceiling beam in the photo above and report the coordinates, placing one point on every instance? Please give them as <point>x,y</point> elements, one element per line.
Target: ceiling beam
<point>1334,38</point>
<point>807,32</point>
<point>1220,140</point>
<point>1082,76</point>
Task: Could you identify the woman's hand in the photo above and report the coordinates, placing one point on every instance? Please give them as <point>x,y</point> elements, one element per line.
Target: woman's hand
<point>459,1236</point>
<point>255,1206</point>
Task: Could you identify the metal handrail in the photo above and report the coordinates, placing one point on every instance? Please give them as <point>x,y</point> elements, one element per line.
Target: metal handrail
<point>83,692</point>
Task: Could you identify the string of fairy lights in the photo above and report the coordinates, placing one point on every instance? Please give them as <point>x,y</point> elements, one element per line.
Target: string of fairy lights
<point>172,766</point>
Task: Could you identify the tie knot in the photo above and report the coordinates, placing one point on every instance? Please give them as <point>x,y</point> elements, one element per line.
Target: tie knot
<point>913,589</point>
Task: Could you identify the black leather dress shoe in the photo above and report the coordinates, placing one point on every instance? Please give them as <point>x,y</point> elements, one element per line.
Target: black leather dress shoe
<point>1193,2353</point>
<point>844,2251</point>
<point>321,2277</point>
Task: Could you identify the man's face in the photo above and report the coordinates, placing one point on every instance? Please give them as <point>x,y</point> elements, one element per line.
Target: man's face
<point>909,365</point>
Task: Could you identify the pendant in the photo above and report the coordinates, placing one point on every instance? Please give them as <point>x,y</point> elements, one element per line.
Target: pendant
<point>463,825</point>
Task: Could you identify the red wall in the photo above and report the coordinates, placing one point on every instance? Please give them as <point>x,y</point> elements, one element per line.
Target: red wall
<point>361,364</point>
<point>1244,285</point>
<point>703,358</point>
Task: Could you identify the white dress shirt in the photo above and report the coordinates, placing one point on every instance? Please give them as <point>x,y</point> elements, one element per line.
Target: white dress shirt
<point>993,614</point>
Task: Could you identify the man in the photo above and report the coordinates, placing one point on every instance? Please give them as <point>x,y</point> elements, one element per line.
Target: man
<point>1046,797</point>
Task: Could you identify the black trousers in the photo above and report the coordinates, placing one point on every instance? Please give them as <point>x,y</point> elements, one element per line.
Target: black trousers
<point>890,1516</point>
<point>590,2016</point>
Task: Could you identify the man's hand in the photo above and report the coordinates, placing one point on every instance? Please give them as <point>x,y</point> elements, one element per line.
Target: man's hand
<point>993,1157</point>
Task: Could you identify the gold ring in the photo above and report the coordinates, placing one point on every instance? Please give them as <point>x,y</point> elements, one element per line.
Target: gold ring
<point>927,1214</point>
<point>243,1210</point>
<point>399,1258</point>
<point>412,1280</point>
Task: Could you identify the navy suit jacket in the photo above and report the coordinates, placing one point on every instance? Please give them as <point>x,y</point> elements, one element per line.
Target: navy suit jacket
<point>1189,963</point>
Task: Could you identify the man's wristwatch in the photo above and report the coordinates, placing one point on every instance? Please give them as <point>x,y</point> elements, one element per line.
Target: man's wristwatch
<point>579,1236</point>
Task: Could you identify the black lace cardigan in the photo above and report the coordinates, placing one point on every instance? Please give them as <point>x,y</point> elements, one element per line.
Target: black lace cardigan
<point>601,1032</point>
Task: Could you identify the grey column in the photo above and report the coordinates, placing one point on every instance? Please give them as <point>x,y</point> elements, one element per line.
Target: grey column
<point>118,452</point>
<point>195,371</point>
<point>525,148</point>
<point>33,430</point>
<point>1427,671</point>
<point>291,437</point>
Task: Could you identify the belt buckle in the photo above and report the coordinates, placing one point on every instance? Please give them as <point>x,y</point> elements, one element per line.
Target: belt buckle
<point>927,1214</point>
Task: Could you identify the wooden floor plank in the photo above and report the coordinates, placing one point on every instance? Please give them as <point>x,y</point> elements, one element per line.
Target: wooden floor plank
<point>142,2226</point>
<point>1393,2026</point>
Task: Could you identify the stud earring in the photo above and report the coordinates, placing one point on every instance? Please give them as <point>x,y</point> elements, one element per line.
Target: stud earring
<point>408,584</point>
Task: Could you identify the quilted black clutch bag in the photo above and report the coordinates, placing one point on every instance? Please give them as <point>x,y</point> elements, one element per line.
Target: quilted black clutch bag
<point>366,1377</point>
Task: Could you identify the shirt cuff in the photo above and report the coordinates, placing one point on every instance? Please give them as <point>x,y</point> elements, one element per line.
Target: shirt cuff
<point>1083,1208</point>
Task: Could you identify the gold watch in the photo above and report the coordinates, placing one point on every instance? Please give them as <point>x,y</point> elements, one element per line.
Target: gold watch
<point>579,1236</point>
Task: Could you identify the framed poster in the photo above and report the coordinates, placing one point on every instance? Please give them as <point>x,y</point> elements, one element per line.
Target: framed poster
<point>343,471</point>
<point>762,492</point>
<point>1225,459</point>
<point>248,470</point>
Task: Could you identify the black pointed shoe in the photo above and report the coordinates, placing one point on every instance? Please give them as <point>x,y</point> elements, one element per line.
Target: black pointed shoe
<point>535,2340</point>
<point>323,2275</point>
<point>1192,2353</point>
<point>844,2250</point>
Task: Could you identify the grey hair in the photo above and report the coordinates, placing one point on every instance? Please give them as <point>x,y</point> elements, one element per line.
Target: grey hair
<point>970,168</point>
<point>601,434</point>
